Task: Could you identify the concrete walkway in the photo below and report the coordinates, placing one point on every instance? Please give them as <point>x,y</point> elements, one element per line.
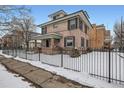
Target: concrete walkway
<point>38,76</point>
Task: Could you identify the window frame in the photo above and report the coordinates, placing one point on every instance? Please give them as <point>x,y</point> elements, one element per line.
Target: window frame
<point>87,43</point>
<point>44,31</point>
<point>81,24</point>
<point>82,44</point>
<point>73,41</point>
<point>72,26</point>
<point>55,26</point>
<point>86,28</point>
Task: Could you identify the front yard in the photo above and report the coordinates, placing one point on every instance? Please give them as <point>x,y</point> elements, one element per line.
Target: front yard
<point>91,63</point>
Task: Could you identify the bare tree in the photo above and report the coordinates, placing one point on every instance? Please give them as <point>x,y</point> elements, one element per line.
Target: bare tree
<point>119,34</point>
<point>16,18</point>
<point>6,14</point>
<point>25,25</point>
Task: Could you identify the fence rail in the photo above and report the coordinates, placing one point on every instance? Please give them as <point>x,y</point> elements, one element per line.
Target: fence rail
<point>103,64</point>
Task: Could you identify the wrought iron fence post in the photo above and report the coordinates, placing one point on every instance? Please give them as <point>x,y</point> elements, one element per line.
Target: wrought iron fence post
<point>39,53</point>
<point>109,66</point>
<point>16,50</point>
<point>12,51</point>
<point>61,58</point>
<point>7,51</point>
<point>26,52</point>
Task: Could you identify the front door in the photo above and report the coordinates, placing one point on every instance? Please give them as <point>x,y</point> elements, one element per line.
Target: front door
<point>47,43</point>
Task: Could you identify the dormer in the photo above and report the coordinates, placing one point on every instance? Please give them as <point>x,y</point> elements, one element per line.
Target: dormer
<point>57,15</point>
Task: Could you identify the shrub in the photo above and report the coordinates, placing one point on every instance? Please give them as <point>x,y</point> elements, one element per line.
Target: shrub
<point>75,53</point>
<point>89,50</point>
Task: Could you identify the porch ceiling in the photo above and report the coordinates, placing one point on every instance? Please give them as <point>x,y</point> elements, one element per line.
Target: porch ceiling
<point>47,36</point>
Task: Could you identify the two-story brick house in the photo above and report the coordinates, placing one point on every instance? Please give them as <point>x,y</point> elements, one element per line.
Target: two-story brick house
<point>65,30</point>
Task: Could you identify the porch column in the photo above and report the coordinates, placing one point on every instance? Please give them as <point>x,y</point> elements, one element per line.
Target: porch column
<point>52,43</point>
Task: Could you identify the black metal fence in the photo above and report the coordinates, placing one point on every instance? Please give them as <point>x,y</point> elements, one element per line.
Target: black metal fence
<point>103,64</point>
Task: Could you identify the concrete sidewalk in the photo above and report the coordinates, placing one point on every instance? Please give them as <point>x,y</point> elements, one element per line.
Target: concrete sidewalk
<point>38,76</point>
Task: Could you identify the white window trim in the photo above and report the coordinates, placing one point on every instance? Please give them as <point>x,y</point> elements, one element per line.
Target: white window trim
<point>72,24</point>
<point>70,40</point>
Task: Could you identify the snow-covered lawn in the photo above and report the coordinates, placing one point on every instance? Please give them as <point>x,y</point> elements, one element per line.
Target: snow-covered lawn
<point>82,77</point>
<point>10,80</point>
<point>93,63</point>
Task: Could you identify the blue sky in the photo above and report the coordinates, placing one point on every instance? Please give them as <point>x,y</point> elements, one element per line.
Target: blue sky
<point>106,15</point>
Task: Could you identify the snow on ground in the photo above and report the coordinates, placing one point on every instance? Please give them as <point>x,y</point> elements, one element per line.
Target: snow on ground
<point>10,80</point>
<point>8,56</point>
<point>93,63</point>
<point>81,77</point>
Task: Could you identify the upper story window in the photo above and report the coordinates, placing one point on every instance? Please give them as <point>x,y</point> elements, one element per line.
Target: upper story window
<point>55,25</point>
<point>86,28</point>
<point>80,24</point>
<point>72,24</point>
<point>44,30</point>
<point>56,16</point>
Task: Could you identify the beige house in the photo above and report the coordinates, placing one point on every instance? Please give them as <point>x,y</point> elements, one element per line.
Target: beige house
<point>65,30</point>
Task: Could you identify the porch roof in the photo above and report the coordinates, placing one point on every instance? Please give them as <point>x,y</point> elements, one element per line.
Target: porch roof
<point>47,36</point>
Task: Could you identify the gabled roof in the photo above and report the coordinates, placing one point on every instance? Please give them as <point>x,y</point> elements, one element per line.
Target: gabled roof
<point>68,16</point>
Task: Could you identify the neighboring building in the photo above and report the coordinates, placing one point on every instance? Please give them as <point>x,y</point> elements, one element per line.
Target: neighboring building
<point>65,31</point>
<point>16,39</point>
<point>99,37</point>
<point>32,43</point>
<point>7,40</point>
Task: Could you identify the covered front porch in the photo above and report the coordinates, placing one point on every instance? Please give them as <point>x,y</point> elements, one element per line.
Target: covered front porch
<point>50,43</point>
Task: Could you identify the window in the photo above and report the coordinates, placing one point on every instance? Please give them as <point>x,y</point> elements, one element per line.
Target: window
<point>82,42</point>
<point>87,43</point>
<point>80,25</point>
<point>55,26</point>
<point>44,30</point>
<point>55,17</point>
<point>72,24</point>
<point>86,28</point>
<point>69,41</point>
